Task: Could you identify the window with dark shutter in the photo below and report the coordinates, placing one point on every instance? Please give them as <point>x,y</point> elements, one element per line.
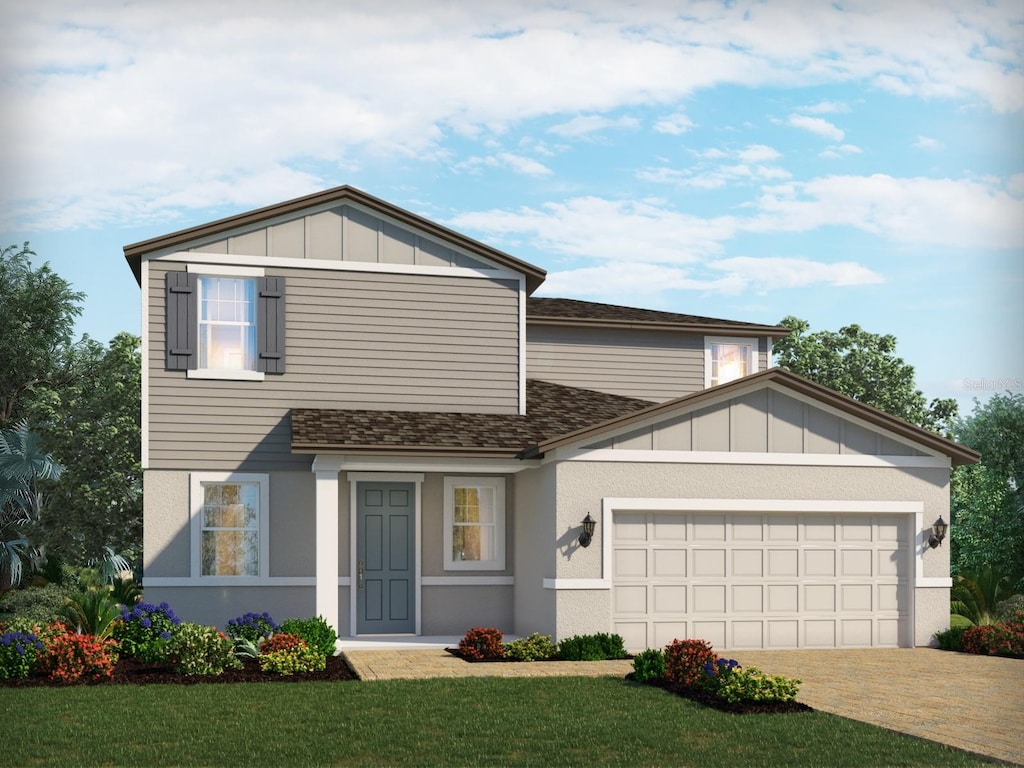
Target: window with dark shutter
<point>270,331</point>
<point>182,322</point>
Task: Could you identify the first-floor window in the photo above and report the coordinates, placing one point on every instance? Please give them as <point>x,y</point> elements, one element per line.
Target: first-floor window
<point>474,519</point>
<point>229,524</point>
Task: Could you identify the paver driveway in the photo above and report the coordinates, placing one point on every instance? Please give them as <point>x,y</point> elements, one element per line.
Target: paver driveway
<point>970,702</point>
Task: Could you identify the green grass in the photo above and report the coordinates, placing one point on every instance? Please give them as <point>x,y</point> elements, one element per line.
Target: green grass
<point>487,721</point>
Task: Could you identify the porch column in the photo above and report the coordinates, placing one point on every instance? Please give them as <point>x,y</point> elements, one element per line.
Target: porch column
<point>326,469</point>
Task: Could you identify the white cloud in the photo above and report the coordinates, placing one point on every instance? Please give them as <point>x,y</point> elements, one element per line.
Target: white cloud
<point>1015,185</point>
<point>524,166</point>
<point>769,274</point>
<point>826,108</point>
<point>817,125</point>
<point>586,124</point>
<point>758,153</point>
<point>928,144</point>
<point>839,151</point>
<point>674,124</point>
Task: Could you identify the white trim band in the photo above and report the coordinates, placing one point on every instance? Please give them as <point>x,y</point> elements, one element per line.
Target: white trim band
<point>229,581</point>
<point>623,455</point>
<point>467,581</point>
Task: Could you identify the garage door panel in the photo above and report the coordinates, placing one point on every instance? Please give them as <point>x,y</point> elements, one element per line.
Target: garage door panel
<point>709,563</point>
<point>669,562</point>
<point>746,581</point>
<point>669,599</point>
<point>630,564</point>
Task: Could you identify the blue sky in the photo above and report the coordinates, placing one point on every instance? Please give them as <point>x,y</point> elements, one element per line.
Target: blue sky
<point>845,162</point>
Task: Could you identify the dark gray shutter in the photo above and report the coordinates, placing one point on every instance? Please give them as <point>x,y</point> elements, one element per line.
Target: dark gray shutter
<point>270,325</point>
<point>182,321</point>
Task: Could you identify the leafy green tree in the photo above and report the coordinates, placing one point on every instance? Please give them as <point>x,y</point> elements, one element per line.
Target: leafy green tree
<point>23,464</point>
<point>987,510</point>
<point>94,425</point>
<point>83,401</point>
<point>864,366</point>
<point>37,318</point>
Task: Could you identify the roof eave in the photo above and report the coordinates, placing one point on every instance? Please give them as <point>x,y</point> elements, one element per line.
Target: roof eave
<point>406,450</point>
<point>775,331</point>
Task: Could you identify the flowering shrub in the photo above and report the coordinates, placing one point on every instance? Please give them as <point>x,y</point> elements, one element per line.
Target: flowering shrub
<point>201,650</point>
<point>251,626</point>
<point>1004,638</point>
<point>68,657</point>
<point>281,642</point>
<point>482,643</point>
<point>685,662</point>
<point>717,672</point>
<point>300,658</point>
<point>536,647</point>
<point>649,665</point>
<point>145,629</point>
<point>18,652</point>
<point>316,632</point>
<point>736,685</point>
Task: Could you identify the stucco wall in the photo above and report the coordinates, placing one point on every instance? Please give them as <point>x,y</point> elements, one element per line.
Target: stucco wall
<point>534,551</point>
<point>452,610</point>
<point>217,605</point>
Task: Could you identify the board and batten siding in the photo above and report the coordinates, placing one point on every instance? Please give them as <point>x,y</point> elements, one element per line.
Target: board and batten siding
<point>650,365</point>
<point>359,340</point>
<point>764,421</point>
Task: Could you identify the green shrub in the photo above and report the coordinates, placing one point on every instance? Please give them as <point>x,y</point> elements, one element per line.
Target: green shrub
<point>93,613</point>
<point>317,633</point>
<point>1006,608</point>
<point>200,650</point>
<point>481,644</point>
<point>685,662</point>
<point>592,647</point>
<point>951,639</point>
<point>959,622</point>
<point>536,647</point>
<point>43,604</point>
<point>649,665</point>
<point>126,591</point>
<point>145,629</point>
<point>301,658</point>
<point>752,685</point>
<point>251,626</point>
<point>18,653</point>
<point>244,648</point>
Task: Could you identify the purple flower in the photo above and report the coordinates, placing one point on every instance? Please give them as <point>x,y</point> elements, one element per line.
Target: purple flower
<point>146,623</point>
<point>165,635</point>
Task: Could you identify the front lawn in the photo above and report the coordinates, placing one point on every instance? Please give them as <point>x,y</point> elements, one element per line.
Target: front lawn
<point>481,721</point>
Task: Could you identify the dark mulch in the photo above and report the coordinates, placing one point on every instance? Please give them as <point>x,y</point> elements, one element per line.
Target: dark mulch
<point>740,708</point>
<point>130,672</point>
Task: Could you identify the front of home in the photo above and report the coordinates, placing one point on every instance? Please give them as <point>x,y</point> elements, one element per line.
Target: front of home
<point>351,411</point>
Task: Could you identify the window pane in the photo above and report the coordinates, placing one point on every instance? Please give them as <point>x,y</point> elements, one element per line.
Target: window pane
<point>230,553</point>
<point>474,505</point>
<point>473,542</point>
<point>233,505</point>
<point>728,362</point>
<point>227,323</point>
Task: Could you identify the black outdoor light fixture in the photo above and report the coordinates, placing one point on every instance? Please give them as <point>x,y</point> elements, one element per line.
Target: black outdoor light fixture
<point>589,524</point>
<point>938,533</point>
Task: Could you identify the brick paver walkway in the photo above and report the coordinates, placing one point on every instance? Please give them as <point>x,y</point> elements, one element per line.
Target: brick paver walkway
<point>969,702</point>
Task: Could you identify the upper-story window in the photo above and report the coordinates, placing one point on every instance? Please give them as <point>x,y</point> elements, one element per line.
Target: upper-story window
<point>727,359</point>
<point>225,323</point>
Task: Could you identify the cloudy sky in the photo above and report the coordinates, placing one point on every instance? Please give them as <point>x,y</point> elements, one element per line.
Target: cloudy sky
<point>847,162</point>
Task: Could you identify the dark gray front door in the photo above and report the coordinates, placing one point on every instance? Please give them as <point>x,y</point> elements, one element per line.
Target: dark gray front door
<point>386,558</point>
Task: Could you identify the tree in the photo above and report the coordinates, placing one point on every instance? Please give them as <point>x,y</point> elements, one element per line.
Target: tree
<point>23,464</point>
<point>83,401</point>
<point>987,509</point>
<point>93,425</point>
<point>863,366</point>
<point>37,318</point>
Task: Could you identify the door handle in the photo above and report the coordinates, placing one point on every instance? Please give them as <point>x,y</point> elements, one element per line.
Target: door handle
<point>360,570</point>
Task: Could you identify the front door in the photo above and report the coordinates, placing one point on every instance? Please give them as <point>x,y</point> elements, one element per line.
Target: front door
<point>385,558</point>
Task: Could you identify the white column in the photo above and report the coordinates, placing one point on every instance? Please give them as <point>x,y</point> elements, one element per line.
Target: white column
<point>326,472</point>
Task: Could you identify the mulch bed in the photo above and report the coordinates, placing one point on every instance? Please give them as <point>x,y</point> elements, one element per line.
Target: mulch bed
<point>740,708</point>
<point>130,672</point>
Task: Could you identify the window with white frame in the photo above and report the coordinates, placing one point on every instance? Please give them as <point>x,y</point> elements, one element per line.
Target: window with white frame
<point>227,323</point>
<point>229,524</point>
<point>728,359</point>
<point>474,523</point>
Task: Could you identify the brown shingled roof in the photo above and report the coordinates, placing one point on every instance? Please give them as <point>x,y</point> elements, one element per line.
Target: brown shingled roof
<point>553,410</point>
<point>576,312</point>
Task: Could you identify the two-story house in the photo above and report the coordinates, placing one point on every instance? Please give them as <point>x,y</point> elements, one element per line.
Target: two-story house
<point>351,411</point>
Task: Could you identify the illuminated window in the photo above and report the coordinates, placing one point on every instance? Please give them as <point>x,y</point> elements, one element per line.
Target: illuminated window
<point>227,323</point>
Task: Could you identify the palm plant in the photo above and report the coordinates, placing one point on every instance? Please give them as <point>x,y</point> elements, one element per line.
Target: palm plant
<point>975,594</point>
<point>22,464</point>
<point>93,613</point>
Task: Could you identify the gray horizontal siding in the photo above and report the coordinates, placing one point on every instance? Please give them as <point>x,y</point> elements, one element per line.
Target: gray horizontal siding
<point>653,365</point>
<point>354,340</point>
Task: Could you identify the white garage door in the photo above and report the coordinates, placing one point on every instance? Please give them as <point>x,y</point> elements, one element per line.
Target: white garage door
<point>761,580</point>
